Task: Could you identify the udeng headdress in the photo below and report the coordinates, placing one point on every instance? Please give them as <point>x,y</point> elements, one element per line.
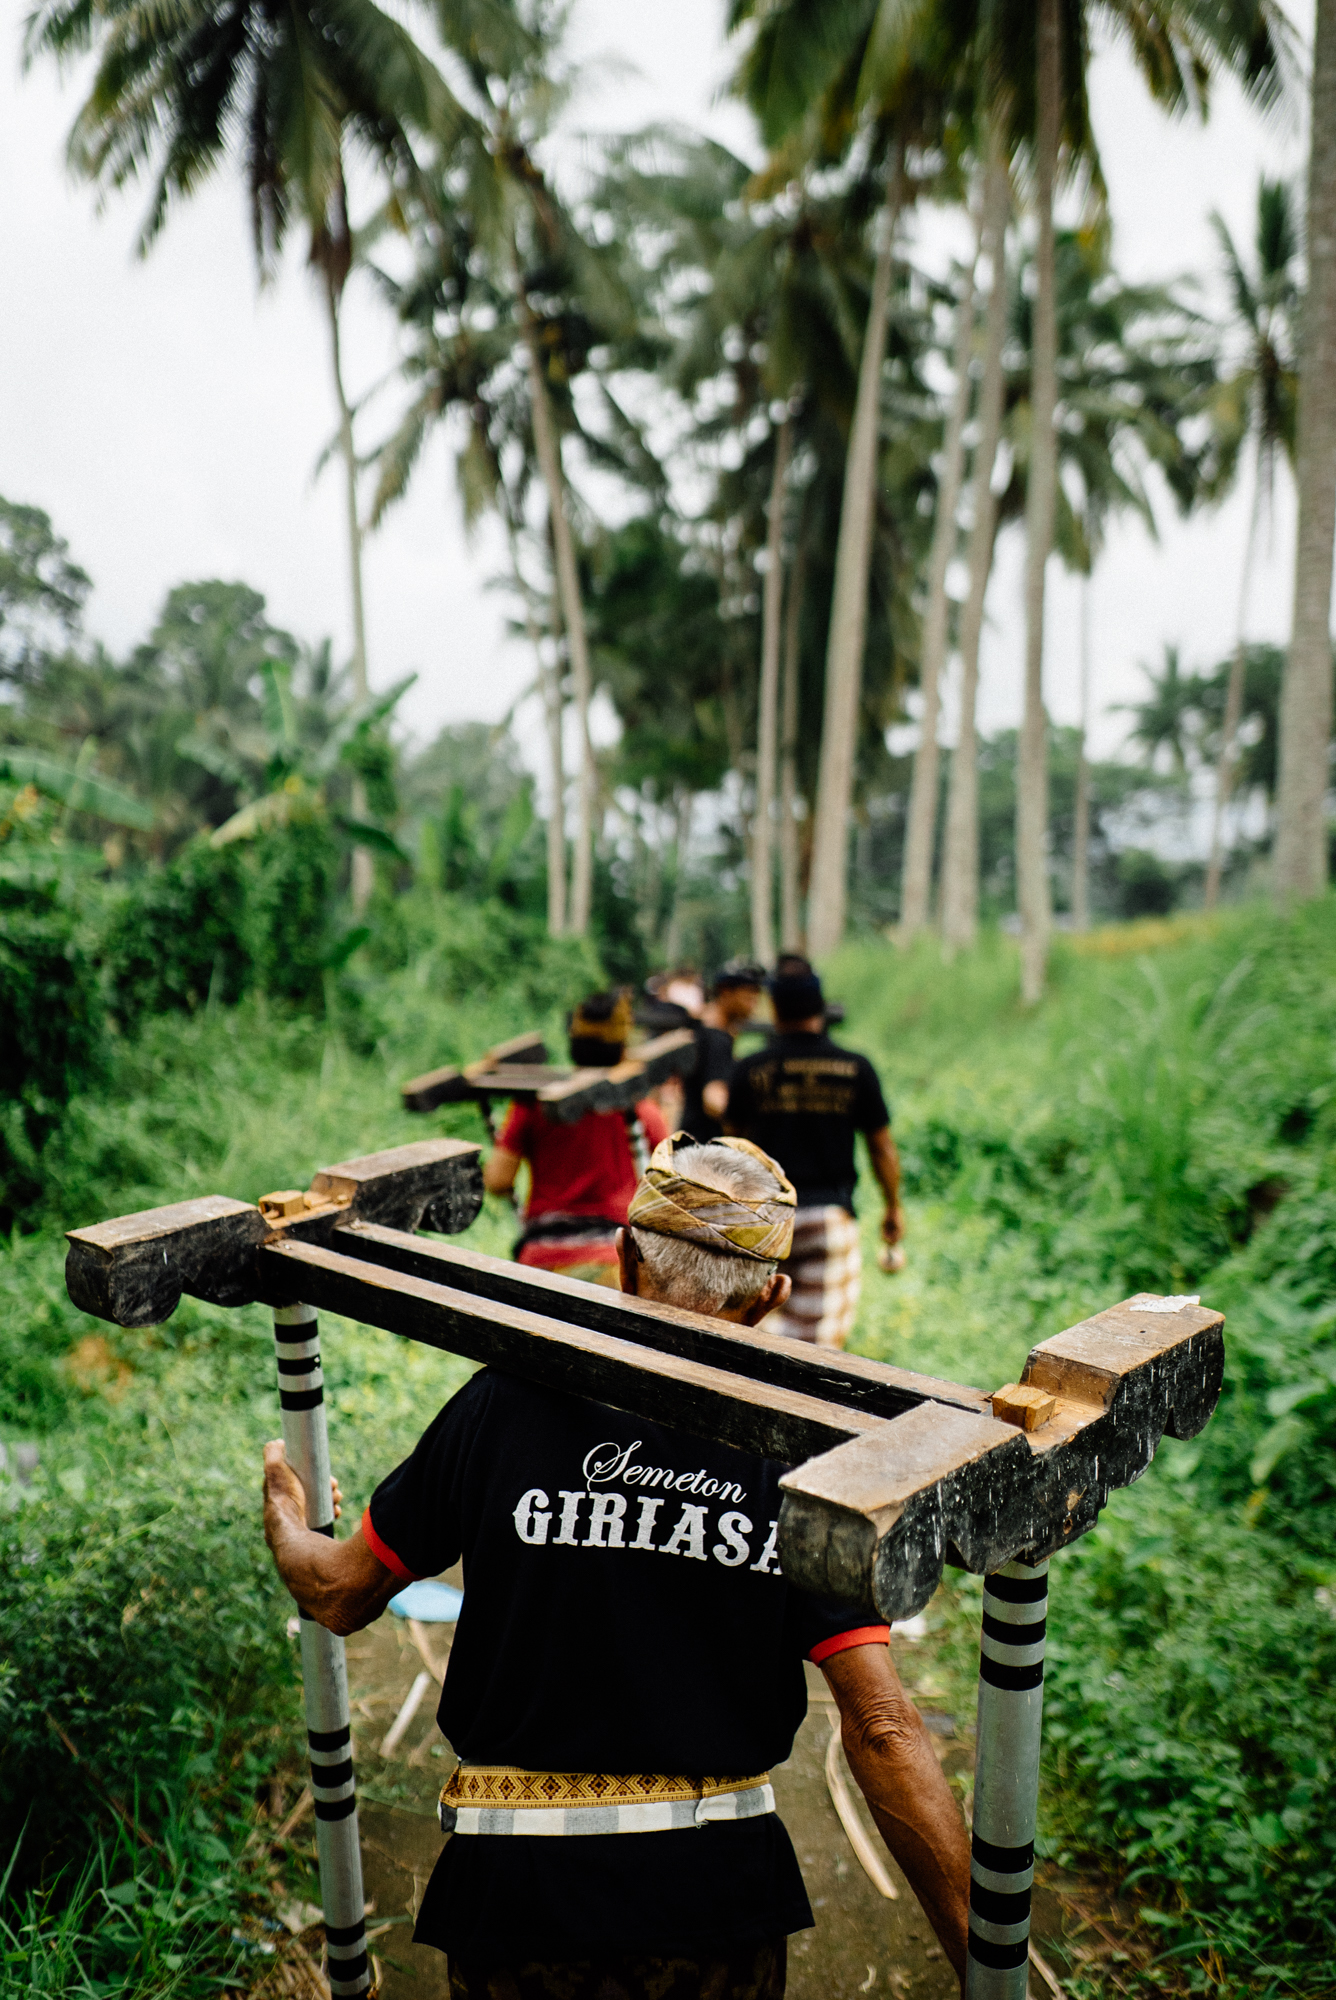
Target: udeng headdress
<point>669,1204</point>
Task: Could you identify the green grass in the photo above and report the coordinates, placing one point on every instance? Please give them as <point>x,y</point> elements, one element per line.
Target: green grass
<point>1164,1121</point>
<point>1135,1132</point>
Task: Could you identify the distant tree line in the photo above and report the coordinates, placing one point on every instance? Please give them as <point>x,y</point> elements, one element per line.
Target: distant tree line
<point>751,358</point>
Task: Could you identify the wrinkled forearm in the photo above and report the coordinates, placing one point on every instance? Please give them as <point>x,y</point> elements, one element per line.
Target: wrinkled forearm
<point>896,1769</point>
<point>341,1585</point>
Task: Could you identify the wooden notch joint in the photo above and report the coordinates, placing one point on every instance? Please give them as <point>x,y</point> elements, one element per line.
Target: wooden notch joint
<point>1028,1409</point>
<point>294,1204</point>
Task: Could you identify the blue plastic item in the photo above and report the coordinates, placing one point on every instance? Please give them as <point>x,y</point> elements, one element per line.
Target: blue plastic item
<point>433,1603</point>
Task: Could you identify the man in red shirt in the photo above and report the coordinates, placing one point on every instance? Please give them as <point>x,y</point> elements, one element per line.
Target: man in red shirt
<point>581,1176</point>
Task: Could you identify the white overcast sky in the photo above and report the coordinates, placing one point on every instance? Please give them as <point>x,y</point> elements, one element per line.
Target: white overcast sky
<point>168,414</point>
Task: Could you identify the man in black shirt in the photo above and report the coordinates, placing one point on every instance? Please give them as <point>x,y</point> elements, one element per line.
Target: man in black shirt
<point>591,1693</point>
<point>733,997</point>
<point>802,1099</point>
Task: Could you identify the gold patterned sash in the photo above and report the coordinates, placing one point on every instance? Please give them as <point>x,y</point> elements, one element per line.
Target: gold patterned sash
<point>503,1799</point>
<point>505,1788</point>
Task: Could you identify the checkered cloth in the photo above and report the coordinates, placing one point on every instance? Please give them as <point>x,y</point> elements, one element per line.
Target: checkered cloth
<point>826,1267</point>
<point>499,1799</point>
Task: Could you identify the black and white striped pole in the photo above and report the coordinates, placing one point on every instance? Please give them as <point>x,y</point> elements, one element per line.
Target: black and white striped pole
<point>301,1395</point>
<point>1006,1780</point>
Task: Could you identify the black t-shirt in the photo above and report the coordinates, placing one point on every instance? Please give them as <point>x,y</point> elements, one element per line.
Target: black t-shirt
<point>579,1649</point>
<point>714,1064</point>
<point>801,1100</point>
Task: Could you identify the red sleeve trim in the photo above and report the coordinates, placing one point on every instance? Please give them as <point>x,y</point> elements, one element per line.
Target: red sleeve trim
<point>841,1642</point>
<point>384,1553</point>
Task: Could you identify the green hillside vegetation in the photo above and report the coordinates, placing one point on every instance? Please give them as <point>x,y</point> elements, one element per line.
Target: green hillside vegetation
<point>1163,1123</point>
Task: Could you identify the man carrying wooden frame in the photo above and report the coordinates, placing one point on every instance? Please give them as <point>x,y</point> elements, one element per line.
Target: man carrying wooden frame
<point>595,1693</point>
<point>891,1473</point>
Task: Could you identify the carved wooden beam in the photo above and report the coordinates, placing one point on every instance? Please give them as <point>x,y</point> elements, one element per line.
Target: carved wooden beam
<point>881,1510</point>
<point>765,1357</point>
<point>134,1269</point>
<point>450,1085</point>
<point>874,1517</point>
<point>565,1094</point>
<point>710,1402</point>
<point>893,1474</point>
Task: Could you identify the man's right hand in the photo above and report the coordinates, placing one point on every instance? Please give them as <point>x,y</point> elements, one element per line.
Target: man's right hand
<point>284,1494</point>
<point>893,1225</point>
<point>342,1585</point>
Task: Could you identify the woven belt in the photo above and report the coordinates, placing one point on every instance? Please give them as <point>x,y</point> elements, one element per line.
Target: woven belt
<point>500,1798</point>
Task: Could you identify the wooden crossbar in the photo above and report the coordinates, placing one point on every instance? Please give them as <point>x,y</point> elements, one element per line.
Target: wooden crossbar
<point>892,1473</point>
<point>520,1069</point>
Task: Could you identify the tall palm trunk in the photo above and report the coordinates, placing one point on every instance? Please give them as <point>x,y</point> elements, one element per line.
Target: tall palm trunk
<point>333,256</point>
<point>767,730</point>
<point>1224,770</point>
<point>549,683</point>
<point>1300,865</point>
<point>960,859</point>
<point>1081,834</point>
<point>572,617</point>
<point>672,946</point>
<point>921,828</point>
<point>790,901</point>
<point>556,816</point>
<point>848,614</point>
<point>1041,498</point>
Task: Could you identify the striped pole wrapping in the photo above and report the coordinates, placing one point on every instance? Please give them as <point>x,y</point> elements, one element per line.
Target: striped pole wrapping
<point>1006,1781</point>
<point>301,1395</point>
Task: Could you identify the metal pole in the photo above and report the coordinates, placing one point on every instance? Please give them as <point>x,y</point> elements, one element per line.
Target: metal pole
<point>301,1395</point>
<point>1006,1781</point>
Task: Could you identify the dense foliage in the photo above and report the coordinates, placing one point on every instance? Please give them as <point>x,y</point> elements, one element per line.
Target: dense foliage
<point>1165,1121</point>
<point>1166,1125</point>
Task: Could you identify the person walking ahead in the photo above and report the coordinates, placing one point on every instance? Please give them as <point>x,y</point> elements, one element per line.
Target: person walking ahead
<point>733,996</point>
<point>582,1176</point>
<point>802,1099</point>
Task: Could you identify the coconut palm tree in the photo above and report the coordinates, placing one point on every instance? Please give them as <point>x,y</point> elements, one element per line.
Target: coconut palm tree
<point>960,854</point>
<point>1178,47</point>
<point>283,92</point>
<point>819,82</point>
<point>750,300</point>
<point>1133,365</point>
<point>921,817</point>
<point>542,296</point>
<point>1166,719</point>
<point>1253,414</point>
<point>1300,864</point>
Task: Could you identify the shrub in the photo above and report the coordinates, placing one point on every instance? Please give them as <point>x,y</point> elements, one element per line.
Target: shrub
<point>145,1657</point>
<point>53,1041</point>
<point>181,935</point>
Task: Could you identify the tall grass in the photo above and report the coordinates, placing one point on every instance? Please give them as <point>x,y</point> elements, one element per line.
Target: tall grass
<point>1165,1123</point>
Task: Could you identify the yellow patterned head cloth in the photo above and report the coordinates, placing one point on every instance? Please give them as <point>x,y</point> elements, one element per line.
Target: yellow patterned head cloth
<point>668,1204</point>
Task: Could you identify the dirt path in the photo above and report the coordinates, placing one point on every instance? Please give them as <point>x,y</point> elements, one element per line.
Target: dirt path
<point>862,1943</point>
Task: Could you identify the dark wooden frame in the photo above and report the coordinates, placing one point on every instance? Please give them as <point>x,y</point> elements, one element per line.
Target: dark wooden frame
<point>893,1473</point>
<point>520,1069</point>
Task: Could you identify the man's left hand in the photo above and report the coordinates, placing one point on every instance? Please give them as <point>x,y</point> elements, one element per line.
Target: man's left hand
<point>893,1224</point>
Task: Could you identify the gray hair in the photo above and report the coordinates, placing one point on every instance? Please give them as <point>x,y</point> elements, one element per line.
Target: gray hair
<point>685,1274</point>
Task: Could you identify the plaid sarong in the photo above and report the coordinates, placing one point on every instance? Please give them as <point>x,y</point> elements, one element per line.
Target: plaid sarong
<point>502,1799</point>
<point>826,1267</point>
